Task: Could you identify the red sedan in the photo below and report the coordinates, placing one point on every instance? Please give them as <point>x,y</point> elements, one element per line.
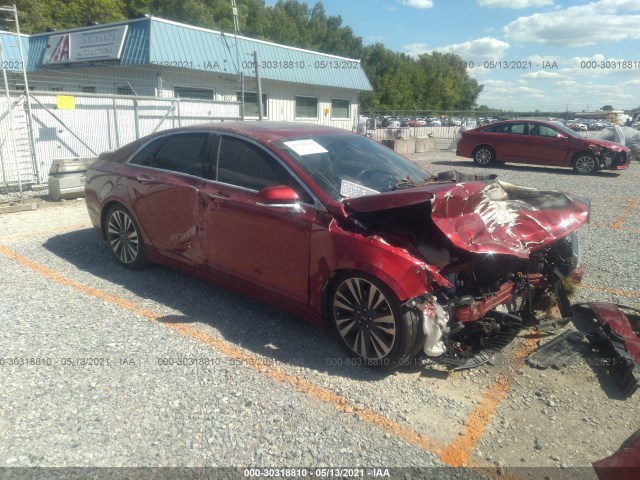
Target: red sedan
<point>338,229</point>
<point>540,143</point>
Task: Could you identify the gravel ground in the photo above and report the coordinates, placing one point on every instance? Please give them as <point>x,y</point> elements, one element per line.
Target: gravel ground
<point>137,412</point>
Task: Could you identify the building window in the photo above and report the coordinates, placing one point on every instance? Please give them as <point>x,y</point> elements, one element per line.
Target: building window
<point>124,89</point>
<point>87,89</point>
<point>306,107</point>
<point>192,92</point>
<point>251,104</point>
<point>340,108</point>
<point>56,88</point>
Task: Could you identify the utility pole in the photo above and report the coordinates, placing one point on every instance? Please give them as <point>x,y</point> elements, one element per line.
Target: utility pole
<point>236,31</point>
<point>255,60</point>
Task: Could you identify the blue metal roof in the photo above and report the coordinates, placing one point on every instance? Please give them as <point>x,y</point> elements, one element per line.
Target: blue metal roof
<point>11,51</point>
<point>159,41</point>
<point>175,44</point>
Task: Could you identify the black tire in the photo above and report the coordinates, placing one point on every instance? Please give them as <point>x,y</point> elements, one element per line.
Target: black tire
<point>124,238</point>
<point>367,317</point>
<point>585,163</point>
<point>484,156</point>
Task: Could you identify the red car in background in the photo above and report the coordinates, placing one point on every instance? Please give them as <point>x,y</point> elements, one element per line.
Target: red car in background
<point>341,230</point>
<point>538,142</point>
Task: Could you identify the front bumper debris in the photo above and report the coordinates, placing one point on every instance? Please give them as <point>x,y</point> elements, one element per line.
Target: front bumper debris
<point>611,335</point>
<point>616,339</point>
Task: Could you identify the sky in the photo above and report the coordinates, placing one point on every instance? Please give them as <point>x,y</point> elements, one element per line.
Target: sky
<point>549,55</point>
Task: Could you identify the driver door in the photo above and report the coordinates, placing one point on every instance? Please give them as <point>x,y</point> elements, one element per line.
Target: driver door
<point>265,245</point>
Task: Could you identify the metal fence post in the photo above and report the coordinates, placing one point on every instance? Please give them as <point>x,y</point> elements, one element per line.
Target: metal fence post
<point>136,118</point>
<point>116,126</point>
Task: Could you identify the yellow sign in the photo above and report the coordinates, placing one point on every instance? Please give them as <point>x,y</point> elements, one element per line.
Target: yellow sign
<point>66,102</point>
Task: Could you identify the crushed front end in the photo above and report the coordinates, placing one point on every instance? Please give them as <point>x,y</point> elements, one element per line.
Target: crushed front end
<point>493,254</point>
<point>491,298</point>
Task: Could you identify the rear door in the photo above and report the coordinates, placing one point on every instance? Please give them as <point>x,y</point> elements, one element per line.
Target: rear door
<point>267,246</point>
<point>509,142</point>
<point>164,193</point>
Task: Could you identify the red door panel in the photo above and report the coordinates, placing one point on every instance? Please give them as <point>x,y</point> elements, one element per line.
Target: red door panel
<point>263,245</point>
<point>170,212</point>
<point>544,147</point>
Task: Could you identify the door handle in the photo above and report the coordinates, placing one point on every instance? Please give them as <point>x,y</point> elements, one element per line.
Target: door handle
<point>143,179</point>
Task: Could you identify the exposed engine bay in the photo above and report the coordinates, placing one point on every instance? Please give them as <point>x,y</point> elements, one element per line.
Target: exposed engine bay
<point>486,281</point>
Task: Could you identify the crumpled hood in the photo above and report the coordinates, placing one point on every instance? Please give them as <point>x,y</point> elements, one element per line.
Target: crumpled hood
<point>489,217</point>
<point>616,147</point>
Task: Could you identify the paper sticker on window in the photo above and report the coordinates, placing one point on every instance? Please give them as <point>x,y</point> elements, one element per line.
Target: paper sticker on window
<point>353,190</point>
<point>305,147</point>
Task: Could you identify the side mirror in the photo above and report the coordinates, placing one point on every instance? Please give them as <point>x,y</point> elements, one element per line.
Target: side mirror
<point>560,135</point>
<point>279,197</point>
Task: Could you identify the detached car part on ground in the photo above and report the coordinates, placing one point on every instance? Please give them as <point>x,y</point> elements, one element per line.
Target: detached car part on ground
<point>538,142</point>
<point>339,229</point>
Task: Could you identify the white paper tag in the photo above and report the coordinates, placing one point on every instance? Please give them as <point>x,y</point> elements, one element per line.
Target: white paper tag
<point>353,190</point>
<point>305,147</point>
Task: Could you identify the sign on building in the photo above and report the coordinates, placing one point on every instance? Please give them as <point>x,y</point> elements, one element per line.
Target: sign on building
<point>86,46</point>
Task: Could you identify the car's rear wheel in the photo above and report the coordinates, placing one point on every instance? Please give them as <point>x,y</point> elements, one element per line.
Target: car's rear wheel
<point>585,163</point>
<point>368,319</point>
<point>124,238</point>
<point>484,156</point>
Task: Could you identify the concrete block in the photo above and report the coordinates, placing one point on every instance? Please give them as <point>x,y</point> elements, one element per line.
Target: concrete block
<point>425,144</point>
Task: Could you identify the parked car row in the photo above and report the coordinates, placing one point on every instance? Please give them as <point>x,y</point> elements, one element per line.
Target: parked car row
<point>397,122</point>
<point>584,125</point>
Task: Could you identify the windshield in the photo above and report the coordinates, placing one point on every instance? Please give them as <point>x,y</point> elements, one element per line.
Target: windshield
<point>564,128</point>
<point>350,165</point>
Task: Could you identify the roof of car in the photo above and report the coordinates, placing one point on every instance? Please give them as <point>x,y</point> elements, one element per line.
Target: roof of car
<point>265,131</point>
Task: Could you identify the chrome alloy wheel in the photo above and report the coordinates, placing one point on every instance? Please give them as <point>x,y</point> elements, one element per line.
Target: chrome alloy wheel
<point>483,157</point>
<point>585,164</point>
<point>364,318</point>
<point>123,236</point>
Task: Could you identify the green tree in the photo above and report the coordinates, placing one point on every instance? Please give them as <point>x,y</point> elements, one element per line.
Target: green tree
<point>38,16</point>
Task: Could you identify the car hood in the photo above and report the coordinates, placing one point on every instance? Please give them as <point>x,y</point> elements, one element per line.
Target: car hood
<point>616,147</point>
<point>488,217</point>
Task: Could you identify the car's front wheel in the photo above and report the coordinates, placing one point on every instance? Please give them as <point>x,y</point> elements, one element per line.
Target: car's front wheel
<point>124,238</point>
<point>368,319</point>
<point>585,163</point>
<point>484,156</point>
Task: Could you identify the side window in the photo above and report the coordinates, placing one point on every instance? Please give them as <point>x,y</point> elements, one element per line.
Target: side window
<point>184,153</point>
<point>547,131</point>
<point>145,156</point>
<point>245,165</point>
<point>517,128</point>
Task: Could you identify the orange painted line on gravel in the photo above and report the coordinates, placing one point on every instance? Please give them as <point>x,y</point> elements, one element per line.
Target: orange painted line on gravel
<point>632,203</point>
<point>459,452</point>
<point>610,227</point>
<point>255,363</point>
<point>622,293</point>
<point>81,287</point>
<point>41,233</point>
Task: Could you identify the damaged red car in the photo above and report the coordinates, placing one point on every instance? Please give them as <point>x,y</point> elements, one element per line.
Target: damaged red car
<point>342,231</point>
<point>537,142</point>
